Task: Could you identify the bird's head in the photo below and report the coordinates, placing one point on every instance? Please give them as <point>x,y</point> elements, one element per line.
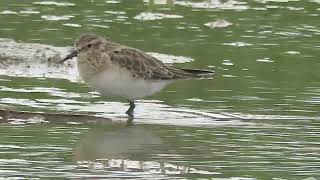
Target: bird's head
<point>84,43</point>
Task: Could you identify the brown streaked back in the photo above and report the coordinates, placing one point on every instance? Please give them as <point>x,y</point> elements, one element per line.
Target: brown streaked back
<point>142,65</point>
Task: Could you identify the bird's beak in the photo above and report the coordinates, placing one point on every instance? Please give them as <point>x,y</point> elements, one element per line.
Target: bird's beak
<point>70,56</point>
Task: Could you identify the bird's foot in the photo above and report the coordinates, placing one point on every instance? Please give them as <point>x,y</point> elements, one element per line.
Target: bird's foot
<point>130,113</point>
<point>131,109</point>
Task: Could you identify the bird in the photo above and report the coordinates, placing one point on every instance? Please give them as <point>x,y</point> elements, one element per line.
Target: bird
<point>114,69</point>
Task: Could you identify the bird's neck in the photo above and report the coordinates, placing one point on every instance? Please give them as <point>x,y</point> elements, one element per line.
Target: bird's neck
<point>90,64</point>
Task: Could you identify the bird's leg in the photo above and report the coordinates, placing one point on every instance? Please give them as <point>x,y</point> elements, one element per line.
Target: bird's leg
<point>131,108</point>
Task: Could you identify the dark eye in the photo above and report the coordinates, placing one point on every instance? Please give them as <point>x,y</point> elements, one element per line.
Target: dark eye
<point>89,45</point>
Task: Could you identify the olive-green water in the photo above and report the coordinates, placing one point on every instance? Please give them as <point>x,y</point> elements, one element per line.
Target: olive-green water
<point>257,119</point>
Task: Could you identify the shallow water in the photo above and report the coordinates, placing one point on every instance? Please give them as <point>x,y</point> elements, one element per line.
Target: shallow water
<point>257,119</point>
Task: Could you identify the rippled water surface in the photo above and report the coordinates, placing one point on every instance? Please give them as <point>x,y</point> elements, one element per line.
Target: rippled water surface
<point>257,119</point>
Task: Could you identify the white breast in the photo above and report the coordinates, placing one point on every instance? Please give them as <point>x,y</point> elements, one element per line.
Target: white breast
<point>119,82</point>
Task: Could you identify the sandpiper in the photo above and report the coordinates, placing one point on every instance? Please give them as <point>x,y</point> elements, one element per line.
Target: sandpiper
<point>113,69</point>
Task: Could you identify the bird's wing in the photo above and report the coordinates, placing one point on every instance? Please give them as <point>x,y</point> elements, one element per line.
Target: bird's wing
<point>140,64</point>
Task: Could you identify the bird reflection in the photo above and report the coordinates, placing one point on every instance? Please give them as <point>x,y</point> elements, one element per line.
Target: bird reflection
<point>129,121</point>
<point>117,147</point>
<point>125,148</point>
<point>117,144</point>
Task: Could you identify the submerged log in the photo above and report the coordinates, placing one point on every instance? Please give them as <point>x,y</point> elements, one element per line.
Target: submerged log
<point>25,117</point>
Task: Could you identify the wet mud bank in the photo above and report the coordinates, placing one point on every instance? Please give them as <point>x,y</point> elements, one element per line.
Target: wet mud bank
<point>35,60</point>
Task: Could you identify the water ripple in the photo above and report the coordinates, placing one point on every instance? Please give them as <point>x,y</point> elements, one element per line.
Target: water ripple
<point>54,3</point>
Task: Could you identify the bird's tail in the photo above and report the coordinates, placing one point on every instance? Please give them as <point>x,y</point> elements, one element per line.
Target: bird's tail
<point>199,73</point>
<point>184,73</point>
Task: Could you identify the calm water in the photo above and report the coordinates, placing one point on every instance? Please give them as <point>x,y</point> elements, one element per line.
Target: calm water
<point>257,119</point>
